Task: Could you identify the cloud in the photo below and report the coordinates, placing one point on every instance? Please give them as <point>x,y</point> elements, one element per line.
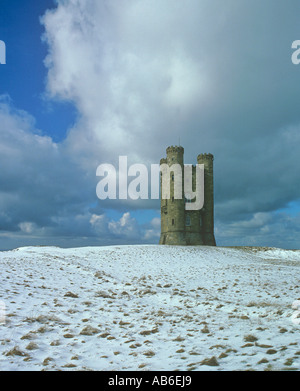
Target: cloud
<point>27,227</point>
<point>126,67</point>
<point>39,180</point>
<point>127,229</point>
<point>46,197</point>
<point>126,226</point>
<point>276,229</point>
<point>152,233</point>
<point>142,73</point>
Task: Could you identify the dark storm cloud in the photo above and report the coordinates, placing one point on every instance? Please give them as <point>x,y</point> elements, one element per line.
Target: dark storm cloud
<point>38,180</point>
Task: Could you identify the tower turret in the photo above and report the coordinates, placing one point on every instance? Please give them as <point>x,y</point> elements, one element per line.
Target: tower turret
<point>173,209</point>
<point>207,215</point>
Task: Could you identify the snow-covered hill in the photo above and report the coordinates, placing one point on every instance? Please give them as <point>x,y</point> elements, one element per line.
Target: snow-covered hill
<point>149,308</point>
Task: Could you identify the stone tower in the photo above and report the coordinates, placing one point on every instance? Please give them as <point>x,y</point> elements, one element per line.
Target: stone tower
<point>178,225</point>
<point>208,209</point>
<point>173,210</point>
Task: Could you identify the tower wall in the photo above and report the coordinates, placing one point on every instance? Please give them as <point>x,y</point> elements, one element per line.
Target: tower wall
<point>174,209</point>
<point>163,212</point>
<point>208,210</point>
<point>193,231</point>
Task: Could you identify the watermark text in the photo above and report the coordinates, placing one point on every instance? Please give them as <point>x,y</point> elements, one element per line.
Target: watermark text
<point>177,182</point>
<point>2,53</point>
<point>296,53</point>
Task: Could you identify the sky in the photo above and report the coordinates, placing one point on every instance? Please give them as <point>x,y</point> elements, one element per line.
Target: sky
<point>87,81</point>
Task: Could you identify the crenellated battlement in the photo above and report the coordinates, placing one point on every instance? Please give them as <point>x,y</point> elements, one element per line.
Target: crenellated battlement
<point>205,156</point>
<point>175,149</point>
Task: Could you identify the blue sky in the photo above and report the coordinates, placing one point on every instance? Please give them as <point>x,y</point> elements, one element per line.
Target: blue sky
<point>88,81</point>
<point>24,77</point>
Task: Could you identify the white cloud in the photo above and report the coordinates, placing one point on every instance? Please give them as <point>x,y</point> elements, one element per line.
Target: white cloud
<point>128,70</point>
<point>153,232</point>
<point>126,226</point>
<point>27,227</point>
<point>258,220</point>
<point>99,223</point>
<point>188,84</point>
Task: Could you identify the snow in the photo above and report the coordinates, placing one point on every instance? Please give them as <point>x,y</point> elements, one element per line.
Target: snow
<point>149,308</point>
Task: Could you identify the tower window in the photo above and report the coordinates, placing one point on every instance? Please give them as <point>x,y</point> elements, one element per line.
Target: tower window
<point>188,221</point>
<point>188,199</point>
<point>173,221</point>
